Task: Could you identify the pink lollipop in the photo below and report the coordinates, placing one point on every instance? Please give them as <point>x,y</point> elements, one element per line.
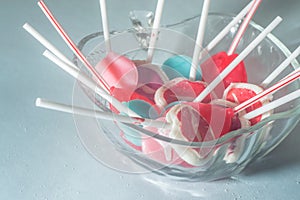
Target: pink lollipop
<point>118,71</point>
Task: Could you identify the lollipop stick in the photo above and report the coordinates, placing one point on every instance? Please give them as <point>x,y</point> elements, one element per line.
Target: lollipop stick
<point>71,44</point>
<point>98,114</point>
<point>281,67</point>
<point>47,44</point>
<point>105,25</point>
<point>238,59</point>
<point>284,82</point>
<point>155,27</point>
<point>272,105</point>
<point>90,84</point>
<point>199,39</point>
<point>243,27</point>
<point>226,30</point>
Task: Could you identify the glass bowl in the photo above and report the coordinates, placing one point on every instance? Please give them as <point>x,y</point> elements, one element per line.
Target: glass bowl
<point>120,146</point>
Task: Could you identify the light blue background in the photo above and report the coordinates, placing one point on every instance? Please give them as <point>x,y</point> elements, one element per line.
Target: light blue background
<point>41,156</point>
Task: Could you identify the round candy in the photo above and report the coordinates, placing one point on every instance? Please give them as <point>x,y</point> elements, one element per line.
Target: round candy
<point>212,67</point>
<point>179,66</point>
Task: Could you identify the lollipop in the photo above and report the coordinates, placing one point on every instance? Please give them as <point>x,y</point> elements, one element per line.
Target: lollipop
<point>237,121</point>
<point>142,100</point>
<point>215,65</point>
<point>212,67</point>
<point>181,65</point>
<point>118,71</point>
<point>197,122</point>
<point>240,92</point>
<point>236,146</point>
<point>140,94</point>
<point>179,89</point>
<point>213,84</point>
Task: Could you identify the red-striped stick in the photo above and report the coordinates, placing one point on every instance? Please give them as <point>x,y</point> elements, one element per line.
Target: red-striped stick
<point>243,27</point>
<point>71,44</point>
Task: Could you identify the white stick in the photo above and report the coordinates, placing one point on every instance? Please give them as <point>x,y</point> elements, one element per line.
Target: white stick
<point>90,84</point>
<point>47,44</point>
<point>155,27</point>
<point>226,30</point>
<point>281,68</point>
<point>273,105</point>
<point>105,25</point>
<point>43,103</point>
<point>243,27</point>
<point>71,44</point>
<point>199,40</point>
<point>238,59</point>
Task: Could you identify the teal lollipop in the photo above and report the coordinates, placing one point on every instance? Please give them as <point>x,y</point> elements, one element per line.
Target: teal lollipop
<point>179,66</point>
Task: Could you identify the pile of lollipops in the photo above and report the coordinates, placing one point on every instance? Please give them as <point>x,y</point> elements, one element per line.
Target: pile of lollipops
<point>203,101</point>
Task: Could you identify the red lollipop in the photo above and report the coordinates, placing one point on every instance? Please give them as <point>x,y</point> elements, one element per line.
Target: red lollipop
<point>179,89</point>
<point>241,92</point>
<point>212,67</point>
<point>221,60</point>
<point>198,122</point>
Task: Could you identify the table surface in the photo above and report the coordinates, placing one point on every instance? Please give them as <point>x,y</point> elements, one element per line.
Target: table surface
<point>41,156</point>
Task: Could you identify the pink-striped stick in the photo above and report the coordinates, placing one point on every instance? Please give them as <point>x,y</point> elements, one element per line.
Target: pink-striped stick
<point>71,44</point>
<point>282,83</point>
<point>243,27</point>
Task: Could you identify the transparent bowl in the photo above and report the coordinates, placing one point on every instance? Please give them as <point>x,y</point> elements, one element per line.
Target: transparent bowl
<point>105,139</point>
